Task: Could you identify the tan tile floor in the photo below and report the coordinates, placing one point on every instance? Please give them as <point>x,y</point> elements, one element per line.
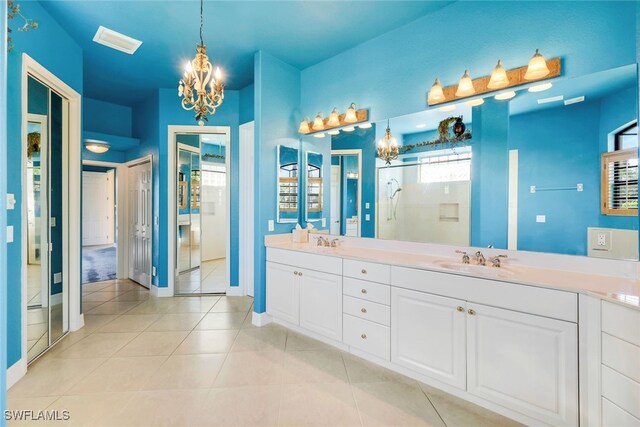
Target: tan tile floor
<point>198,361</point>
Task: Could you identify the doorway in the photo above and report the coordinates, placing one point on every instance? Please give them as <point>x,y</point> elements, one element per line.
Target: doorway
<point>346,193</point>
<point>140,206</point>
<point>202,213</point>
<point>99,247</point>
<point>46,235</point>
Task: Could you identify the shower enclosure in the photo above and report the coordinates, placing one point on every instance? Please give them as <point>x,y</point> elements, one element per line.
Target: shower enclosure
<point>426,199</point>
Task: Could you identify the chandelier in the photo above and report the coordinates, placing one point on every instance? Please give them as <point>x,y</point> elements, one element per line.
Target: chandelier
<point>193,85</point>
<point>388,147</point>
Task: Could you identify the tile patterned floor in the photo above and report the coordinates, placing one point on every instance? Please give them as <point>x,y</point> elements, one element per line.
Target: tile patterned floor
<point>198,361</point>
<point>210,277</point>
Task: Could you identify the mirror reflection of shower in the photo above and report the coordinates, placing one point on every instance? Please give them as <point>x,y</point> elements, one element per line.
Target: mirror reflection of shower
<point>394,197</point>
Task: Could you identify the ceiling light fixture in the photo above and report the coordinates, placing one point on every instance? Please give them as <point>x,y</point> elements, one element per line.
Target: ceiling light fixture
<point>505,95</point>
<point>435,93</point>
<point>447,108</point>
<point>475,102</point>
<point>318,123</point>
<point>334,132</point>
<point>334,118</point>
<point>304,126</point>
<point>365,126</point>
<point>350,116</point>
<point>196,77</point>
<point>96,146</point>
<point>349,129</point>
<point>388,147</point>
<point>465,86</point>
<point>537,67</point>
<point>540,88</point>
<point>499,77</point>
<point>319,135</point>
<point>421,125</point>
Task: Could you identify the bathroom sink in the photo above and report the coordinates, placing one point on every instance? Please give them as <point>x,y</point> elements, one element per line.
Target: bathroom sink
<point>480,270</point>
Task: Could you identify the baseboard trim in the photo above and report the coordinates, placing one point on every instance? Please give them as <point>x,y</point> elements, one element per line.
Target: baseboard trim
<point>78,325</point>
<point>16,371</point>
<point>234,291</point>
<point>261,319</point>
<point>160,292</point>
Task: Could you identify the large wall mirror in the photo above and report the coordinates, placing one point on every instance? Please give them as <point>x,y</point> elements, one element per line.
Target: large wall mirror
<point>288,184</point>
<point>314,195</point>
<point>552,169</point>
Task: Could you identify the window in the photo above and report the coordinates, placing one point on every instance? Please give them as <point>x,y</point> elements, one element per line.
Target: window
<point>627,137</point>
<point>446,168</point>
<point>619,187</point>
<point>213,175</point>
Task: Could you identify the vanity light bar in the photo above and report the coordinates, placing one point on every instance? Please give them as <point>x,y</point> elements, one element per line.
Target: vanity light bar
<point>361,116</point>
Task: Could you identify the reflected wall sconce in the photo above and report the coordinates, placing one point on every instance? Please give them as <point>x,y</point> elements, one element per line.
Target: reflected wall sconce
<point>335,121</point>
<point>96,146</point>
<point>537,69</point>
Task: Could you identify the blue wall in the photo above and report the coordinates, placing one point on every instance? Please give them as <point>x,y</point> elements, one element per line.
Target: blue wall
<point>277,97</point>
<point>247,102</point>
<point>105,117</point>
<point>364,139</point>
<point>3,217</point>
<point>54,49</point>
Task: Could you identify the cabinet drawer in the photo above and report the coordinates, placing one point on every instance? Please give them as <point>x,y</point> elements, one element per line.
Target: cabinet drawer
<point>367,336</point>
<point>621,390</point>
<point>380,273</point>
<point>367,310</point>
<point>621,356</point>
<point>613,415</point>
<point>367,290</point>
<point>323,263</point>
<point>621,322</point>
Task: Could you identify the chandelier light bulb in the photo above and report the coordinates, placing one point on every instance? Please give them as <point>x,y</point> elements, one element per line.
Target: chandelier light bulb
<point>318,123</point>
<point>537,67</point>
<point>465,86</point>
<point>350,116</point>
<point>499,77</point>
<point>334,119</point>
<point>218,74</point>
<point>435,93</point>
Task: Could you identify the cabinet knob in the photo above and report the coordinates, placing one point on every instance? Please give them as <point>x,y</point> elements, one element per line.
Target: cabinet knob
<point>460,308</point>
<point>364,271</point>
<point>364,291</point>
<point>471,311</point>
<point>295,272</point>
<point>364,310</point>
<point>299,273</point>
<point>363,336</point>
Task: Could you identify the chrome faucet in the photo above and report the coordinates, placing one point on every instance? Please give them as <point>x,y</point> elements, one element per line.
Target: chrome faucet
<point>480,259</point>
<point>334,243</point>
<point>495,261</point>
<point>465,256</point>
<point>321,241</point>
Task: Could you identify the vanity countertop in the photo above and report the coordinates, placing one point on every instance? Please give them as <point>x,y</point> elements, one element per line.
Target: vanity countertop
<point>620,290</point>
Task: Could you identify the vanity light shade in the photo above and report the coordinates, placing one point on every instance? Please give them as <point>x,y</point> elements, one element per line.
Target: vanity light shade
<point>350,116</point>
<point>499,77</point>
<point>349,129</point>
<point>304,126</point>
<point>505,95</point>
<point>465,86</point>
<point>537,67</point>
<point>96,146</point>
<point>318,123</point>
<point>334,132</point>
<point>541,87</point>
<point>334,118</point>
<point>365,126</point>
<point>475,102</point>
<point>435,93</point>
<point>319,135</point>
<point>447,108</point>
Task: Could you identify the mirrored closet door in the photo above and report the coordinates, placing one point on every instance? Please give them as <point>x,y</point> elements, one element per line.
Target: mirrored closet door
<point>202,214</point>
<point>47,300</point>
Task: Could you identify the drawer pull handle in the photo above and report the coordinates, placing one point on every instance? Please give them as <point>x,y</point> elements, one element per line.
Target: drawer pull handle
<point>460,308</point>
<point>363,336</point>
<point>364,310</point>
<point>471,311</point>
<point>364,271</point>
<point>364,291</point>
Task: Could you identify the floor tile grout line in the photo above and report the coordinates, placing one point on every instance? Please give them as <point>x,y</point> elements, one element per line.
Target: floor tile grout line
<point>435,408</point>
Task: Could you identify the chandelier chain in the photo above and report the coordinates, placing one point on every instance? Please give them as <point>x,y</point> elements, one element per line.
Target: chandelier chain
<point>201,21</point>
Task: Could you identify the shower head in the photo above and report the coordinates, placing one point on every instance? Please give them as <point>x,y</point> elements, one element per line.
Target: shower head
<point>399,189</point>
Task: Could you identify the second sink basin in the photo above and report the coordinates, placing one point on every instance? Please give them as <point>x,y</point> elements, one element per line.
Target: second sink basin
<point>480,270</point>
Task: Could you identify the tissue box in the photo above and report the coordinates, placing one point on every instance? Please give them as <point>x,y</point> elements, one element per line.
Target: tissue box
<point>300,235</point>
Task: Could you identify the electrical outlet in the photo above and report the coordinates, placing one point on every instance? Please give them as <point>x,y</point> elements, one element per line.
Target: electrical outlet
<point>367,205</point>
<point>541,218</point>
<point>52,221</point>
<point>272,225</point>
<point>602,239</point>
<point>57,278</point>
<point>11,201</point>
<point>9,233</point>
<point>324,222</point>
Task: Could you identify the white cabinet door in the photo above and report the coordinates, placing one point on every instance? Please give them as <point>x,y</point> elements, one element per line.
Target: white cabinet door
<point>524,362</point>
<point>428,335</point>
<point>321,303</point>
<point>283,292</point>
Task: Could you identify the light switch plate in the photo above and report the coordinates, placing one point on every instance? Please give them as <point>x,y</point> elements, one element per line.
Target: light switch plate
<point>11,201</point>
<point>153,270</point>
<point>9,233</point>
<point>52,221</point>
<point>57,278</point>
<point>367,205</point>
<point>367,217</point>
<point>541,218</point>
<point>272,225</point>
<point>324,222</point>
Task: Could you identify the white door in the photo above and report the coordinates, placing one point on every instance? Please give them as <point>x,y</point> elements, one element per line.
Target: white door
<point>335,200</point>
<point>321,303</point>
<point>428,335</point>
<point>283,292</point>
<point>246,207</point>
<point>524,362</point>
<point>140,223</point>
<point>97,208</point>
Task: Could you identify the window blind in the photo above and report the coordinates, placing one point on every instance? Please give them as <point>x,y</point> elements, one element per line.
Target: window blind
<point>620,182</point>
